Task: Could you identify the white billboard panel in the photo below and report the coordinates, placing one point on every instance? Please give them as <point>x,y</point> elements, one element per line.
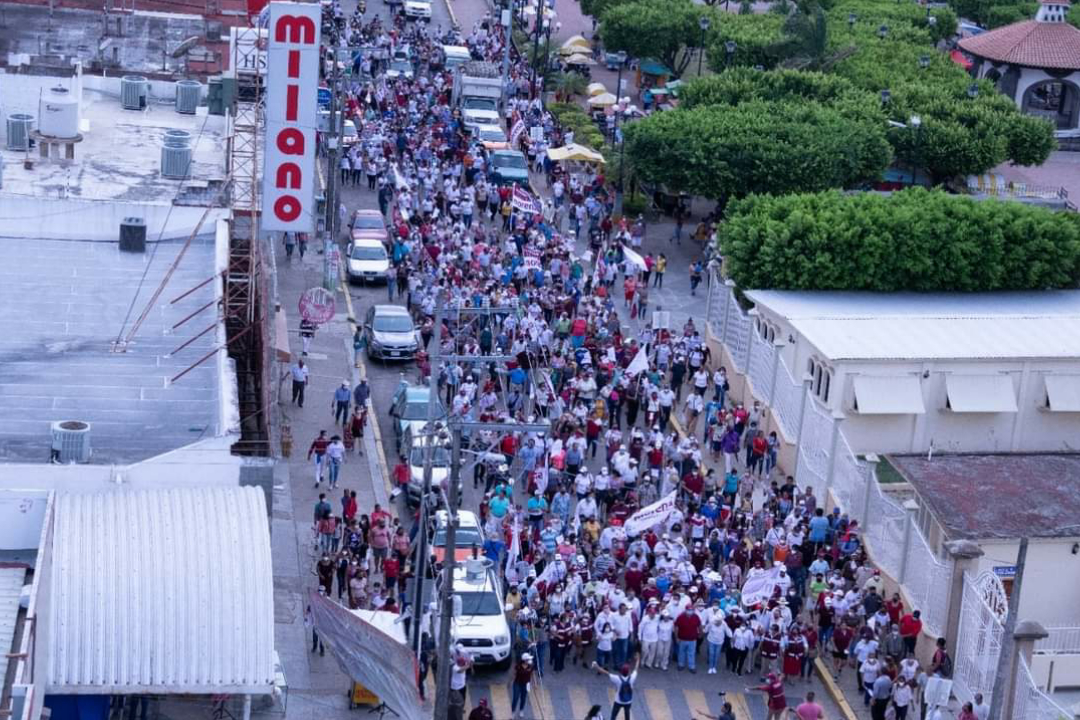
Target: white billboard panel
<point>292,59</point>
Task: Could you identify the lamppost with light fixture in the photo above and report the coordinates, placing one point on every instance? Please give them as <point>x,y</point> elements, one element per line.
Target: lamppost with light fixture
<point>885,96</point>
<point>973,90</point>
<point>729,52</point>
<point>703,23</point>
<point>883,31</point>
<point>924,61</point>
<point>916,122</point>
<point>851,18</point>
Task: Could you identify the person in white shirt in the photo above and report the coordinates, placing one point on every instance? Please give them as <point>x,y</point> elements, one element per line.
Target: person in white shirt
<point>665,631</point>
<point>742,641</point>
<point>718,631</point>
<point>648,635</point>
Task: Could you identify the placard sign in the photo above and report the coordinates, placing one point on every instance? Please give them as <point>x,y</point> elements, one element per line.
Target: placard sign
<point>291,117</point>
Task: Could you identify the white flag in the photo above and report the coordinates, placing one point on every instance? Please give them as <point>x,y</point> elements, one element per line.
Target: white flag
<point>650,515</point>
<point>640,363</point>
<point>515,550</point>
<point>634,258</point>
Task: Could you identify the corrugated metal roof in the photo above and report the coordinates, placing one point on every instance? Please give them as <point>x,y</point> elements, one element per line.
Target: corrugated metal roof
<point>910,326</point>
<point>11,585</point>
<point>166,591</point>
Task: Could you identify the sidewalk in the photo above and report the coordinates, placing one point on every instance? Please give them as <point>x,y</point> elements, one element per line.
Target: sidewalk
<point>317,687</point>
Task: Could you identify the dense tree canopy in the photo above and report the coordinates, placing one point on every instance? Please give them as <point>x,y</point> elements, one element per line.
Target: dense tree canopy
<point>653,29</point>
<point>912,240</point>
<point>757,146</point>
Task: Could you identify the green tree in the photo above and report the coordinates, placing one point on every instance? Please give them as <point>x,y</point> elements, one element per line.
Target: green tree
<point>567,85</point>
<point>757,41</point>
<point>666,31</point>
<point>719,151</point>
<point>914,240</point>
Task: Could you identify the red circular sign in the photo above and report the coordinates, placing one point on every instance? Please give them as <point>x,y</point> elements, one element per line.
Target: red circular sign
<point>317,305</point>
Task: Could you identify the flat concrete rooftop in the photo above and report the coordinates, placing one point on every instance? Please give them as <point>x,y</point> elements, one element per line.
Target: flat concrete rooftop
<point>64,303</point>
<point>119,158</point>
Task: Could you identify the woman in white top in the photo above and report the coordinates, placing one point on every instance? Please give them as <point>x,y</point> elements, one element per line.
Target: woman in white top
<point>902,697</point>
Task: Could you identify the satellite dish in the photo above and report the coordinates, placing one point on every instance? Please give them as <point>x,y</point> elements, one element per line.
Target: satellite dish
<point>185,46</point>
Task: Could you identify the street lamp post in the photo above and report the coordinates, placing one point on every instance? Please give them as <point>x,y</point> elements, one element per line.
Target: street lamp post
<point>703,23</point>
<point>883,31</point>
<point>924,61</point>
<point>916,122</point>
<point>729,52</point>
<point>851,18</point>
<point>973,91</point>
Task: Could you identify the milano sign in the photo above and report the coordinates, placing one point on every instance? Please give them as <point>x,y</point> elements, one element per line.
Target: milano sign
<point>292,75</point>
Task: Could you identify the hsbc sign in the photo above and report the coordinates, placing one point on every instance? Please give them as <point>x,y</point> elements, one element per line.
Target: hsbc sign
<point>292,74</point>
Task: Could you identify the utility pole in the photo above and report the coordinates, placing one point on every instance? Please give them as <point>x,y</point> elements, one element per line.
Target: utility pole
<point>508,34</point>
<point>333,144</point>
<point>615,138</point>
<point>1005,659</point>
<point>442,680</point>
<point>422,547</point>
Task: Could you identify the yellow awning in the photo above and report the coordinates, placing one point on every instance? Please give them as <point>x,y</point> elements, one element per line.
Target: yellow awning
<point>603,100</point>
<point>580,59</point>
<point>596,88</point>
<point>579,42</point>
<point>573,151</point>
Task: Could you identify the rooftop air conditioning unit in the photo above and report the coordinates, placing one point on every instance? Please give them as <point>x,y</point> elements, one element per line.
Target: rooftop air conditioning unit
<point>188,94</point>
<point>176,154</point>
<point>134,90</point>
<point>71,442</point>
<point>19,126</point>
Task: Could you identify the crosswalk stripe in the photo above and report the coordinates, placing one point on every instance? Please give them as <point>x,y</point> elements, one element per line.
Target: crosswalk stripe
<point>579,701</point>
<point>656,702</point>
<point>695,700</point>
<point>500,701</point>
<point>540,700</point>
<point>738,704</point>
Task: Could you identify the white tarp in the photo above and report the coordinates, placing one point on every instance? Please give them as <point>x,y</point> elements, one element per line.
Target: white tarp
<point>372,652</point>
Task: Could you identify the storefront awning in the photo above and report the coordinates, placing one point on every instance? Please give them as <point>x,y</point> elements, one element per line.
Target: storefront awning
<point>900,395</point>
<point>1063,392</point>
<point>980,393</point>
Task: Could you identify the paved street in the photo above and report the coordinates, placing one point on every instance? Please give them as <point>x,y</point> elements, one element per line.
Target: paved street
<point>317,686</point>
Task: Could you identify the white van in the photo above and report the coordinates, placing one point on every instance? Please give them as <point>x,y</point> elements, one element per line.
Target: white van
<point>455,55</point>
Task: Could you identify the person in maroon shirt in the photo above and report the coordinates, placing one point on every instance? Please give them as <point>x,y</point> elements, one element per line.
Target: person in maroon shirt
<point>687,632</point>
<point>841,641</point>
<point>774,691</point>
<point>523,672</point>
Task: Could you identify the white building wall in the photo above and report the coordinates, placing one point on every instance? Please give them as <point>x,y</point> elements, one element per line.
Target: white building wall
<point>1050,592</point>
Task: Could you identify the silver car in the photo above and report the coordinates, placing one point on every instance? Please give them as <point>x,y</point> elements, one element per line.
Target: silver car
<point>390,333</point>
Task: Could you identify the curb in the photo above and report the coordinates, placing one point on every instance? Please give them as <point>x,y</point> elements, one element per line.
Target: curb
<point>834,691</point>
<point>376,431</point>
<point>453,15</point>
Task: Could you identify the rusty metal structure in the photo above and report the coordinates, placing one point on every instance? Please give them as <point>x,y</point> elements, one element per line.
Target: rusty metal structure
<point>246,298</point>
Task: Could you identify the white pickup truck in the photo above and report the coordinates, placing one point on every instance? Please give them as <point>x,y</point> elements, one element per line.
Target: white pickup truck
<point>418,10</point>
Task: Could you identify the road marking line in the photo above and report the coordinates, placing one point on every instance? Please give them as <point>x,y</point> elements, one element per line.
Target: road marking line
<point>738,704</point>
<point>500,701</point>
<point>656,702</point>
<point>376,431</point>
<point>541,701</point>
<point>695,700</point>
<point>579,700</point>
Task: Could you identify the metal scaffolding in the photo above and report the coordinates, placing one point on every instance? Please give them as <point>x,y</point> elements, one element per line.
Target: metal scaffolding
<point>245,310</point>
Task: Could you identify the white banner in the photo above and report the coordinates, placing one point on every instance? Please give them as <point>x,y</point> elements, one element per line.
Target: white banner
<point>650,515</point>
<point>640,363</point>
<point>292,105</point>
<point>759,588</point>
<point>634,258</point>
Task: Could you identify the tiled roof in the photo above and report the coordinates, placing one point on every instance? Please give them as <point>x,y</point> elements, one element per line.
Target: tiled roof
<point>1029,43</point>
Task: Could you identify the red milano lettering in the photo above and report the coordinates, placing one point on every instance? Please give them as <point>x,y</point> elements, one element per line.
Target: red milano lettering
<point>290,139</point>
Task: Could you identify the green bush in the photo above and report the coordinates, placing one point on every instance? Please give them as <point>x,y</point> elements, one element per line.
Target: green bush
<point>912,240</point>
<point>634,205</point>
<point>756,38</point>
<point>756,146</point>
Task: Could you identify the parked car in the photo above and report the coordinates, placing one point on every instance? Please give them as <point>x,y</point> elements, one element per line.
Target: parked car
<point>368,225</point>
<point>491,137</point>
<point>367,260</point>
<point>409,408</point>
<point>418,10</point>
<point>399,69</point>
<point>508,167</point>
<point>469,535</point>
<point>390,333</point>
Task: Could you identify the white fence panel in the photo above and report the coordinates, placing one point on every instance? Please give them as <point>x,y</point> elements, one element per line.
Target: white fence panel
<point>978,646</point>
<point>737,333</point>
<point>1031,703</point>
<point>718,294</point>
<point>788,400</point>
<point>927,580</point>
<point>1062,640</point>
<point>762,358</point>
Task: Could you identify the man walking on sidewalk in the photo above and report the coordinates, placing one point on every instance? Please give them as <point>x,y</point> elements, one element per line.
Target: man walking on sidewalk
<point>335,454</point>
<point>318,450</point>
<point>299,382</point>
<point>341,403</point>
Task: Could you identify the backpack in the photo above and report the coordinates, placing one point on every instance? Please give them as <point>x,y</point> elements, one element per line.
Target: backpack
<point>626,692</point>
<point>946,668</point>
